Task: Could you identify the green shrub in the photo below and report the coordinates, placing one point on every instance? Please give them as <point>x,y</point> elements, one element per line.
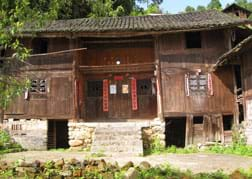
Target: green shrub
<point>7,145</point>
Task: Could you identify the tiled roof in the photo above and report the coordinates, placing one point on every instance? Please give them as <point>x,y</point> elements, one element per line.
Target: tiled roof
<point>235,6</point>
<point>177,22</point>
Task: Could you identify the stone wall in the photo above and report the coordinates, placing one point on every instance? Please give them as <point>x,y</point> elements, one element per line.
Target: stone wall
<point>155,131</point>
<point>80,135</point>
<point>30,134</point>
<point>247,125</point>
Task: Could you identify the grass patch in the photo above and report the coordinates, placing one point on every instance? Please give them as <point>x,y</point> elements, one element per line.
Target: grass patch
<point>243,150</point>
<point>237,148</point>
<point>157,148</point>
<point>7,145</point>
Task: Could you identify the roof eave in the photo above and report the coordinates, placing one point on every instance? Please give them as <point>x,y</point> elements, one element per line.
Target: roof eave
<point>232,52</point>
<point>129,33</point>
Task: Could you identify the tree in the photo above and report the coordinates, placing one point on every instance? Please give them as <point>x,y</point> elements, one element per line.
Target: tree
<point>201,8</point>
<point>14,15</point>
<point>104,8</point>
<point>189,9</point>
<point>214,4</point>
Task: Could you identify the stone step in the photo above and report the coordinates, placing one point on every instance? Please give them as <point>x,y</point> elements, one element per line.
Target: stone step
<point>118,139</point>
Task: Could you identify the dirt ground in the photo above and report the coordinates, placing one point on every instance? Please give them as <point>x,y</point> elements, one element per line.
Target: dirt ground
<point>199,162</point>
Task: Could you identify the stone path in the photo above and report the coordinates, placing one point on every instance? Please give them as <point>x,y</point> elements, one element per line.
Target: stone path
<point>199,162</point>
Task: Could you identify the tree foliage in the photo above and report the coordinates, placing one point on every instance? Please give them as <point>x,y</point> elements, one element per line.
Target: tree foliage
<point>104,8</point>
<point>14,14</point>
<point>189,9</point>
<point>214,4</point>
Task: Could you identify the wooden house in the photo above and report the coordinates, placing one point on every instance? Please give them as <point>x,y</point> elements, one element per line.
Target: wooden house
<point>129,78</point>
<point>237,10</point>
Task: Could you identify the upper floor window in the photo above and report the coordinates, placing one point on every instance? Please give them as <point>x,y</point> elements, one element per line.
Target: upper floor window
<point>40,45</point>
<point>38,86</point>
<point>193,39</point>
<point>198,84</point>
<point>94,88</point>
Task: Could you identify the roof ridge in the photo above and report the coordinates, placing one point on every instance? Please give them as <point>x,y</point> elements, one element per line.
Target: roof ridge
<point>142,16</point>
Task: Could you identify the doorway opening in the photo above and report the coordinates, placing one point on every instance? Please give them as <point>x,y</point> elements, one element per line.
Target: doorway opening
<point>57,134</point>
<point>175,131</point>
<point>239,92</point>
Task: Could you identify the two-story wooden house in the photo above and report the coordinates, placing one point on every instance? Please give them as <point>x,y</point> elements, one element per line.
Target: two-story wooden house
<point>118,83</point>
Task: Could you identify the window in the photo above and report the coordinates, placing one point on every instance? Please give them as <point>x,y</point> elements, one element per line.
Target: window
<point>198,84</point>
<point>227,122</point>
<point>40,45</point>
<point>38,86</point>
<point>144,87</point>
<point>94,88</point>
<point>198,120</point>
<point>193,39</point>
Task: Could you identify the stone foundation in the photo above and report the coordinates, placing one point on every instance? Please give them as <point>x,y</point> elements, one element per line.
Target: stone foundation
<point>80,135</point>
<point>155,131</point>
<point>30,134</point>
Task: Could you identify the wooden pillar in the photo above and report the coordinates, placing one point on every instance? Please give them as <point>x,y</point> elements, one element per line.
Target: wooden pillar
<point>189,130</point>
<point>236,103</point>
<point>207,129</point>
<point>158,79</point>
<point>75,76</point>
<point>1,115</point>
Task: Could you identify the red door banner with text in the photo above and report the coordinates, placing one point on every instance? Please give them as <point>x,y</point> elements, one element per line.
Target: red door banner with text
<point>105,96</point>
<point>134,94</point>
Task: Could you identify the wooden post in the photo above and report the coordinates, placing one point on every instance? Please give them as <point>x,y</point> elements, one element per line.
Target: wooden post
<point>236,103</point>
<point>158,79</point>
<point>207,129</point>
<point>73,44</point>
<point>189,130</point>
<point>1,115</point>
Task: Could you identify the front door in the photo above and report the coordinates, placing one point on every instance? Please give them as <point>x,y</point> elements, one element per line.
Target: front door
<point>119,97</point>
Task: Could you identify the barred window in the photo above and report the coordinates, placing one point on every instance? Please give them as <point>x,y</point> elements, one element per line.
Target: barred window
<point>198,84</point>
<point>38,86</point>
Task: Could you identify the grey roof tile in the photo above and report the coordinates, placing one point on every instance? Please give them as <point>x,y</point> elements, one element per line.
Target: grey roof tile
<point>184,21</point>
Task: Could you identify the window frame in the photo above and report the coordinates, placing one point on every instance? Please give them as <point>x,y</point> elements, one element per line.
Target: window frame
<point>187,37</point>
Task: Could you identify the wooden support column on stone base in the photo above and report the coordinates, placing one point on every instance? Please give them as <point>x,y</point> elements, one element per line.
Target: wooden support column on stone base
<point>158,79</point>
<point>73,43</point>
<point>189,130</point>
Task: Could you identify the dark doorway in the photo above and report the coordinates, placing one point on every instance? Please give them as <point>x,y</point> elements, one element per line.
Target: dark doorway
<point>239,91</point>
<point>175,131</point>
<point>57,134</point>
<point>227,122</point>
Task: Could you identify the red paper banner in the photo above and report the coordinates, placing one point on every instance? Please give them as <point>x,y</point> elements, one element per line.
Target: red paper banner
<point>210,84</point>
<point>134,94</point>
<point>118,78</point>
<point>105,96</point>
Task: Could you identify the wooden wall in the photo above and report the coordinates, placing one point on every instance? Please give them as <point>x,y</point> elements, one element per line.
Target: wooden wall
<point>127,53</point>
<point>247,80</point>
<point>177,60</point>
<point>57,102</point>
<point>120,104</point>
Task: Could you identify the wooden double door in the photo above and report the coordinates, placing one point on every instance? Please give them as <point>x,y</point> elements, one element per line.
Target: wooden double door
<point>125,101</point>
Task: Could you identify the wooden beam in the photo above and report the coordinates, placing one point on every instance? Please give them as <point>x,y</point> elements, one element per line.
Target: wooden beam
<point>118,41</point>
<point>158,79</point>
<point>136,67</point>
<point>58,52</point>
